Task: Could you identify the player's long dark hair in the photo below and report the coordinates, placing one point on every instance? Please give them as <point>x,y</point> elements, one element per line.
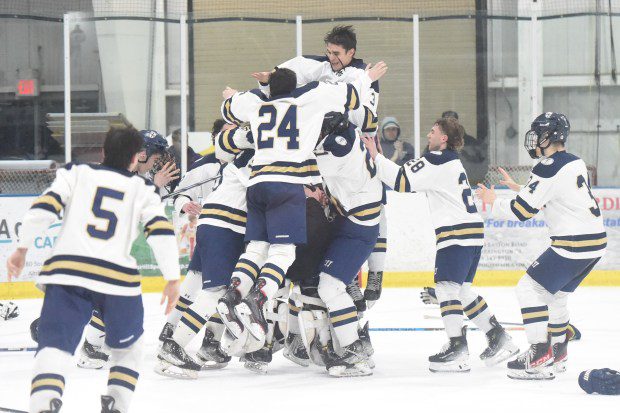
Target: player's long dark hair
<point>120,145</point>
<point>454,130</point>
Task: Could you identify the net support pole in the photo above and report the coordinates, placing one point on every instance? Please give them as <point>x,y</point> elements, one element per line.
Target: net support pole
<point>67,81</point>
<point>416,85</point>
<point>298,38</point>
<point>184,65</point>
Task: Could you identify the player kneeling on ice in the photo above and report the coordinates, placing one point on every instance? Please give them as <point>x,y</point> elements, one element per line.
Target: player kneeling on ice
<point>559,182</point>
<point>459,231</point>
<point>76,282</point>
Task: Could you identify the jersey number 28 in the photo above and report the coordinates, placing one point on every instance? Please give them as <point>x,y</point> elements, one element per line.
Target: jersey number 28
<point>101,213</point>
<point>286,129</point>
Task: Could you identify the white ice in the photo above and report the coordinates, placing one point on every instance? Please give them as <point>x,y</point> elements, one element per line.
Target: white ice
<point>400,380</point>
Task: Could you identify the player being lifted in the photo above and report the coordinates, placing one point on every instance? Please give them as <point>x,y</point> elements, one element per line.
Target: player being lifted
<point>560,184</point>
<point>102,205</point>
<point>339,65</point>
<point>285,127</point>
<point>459,233</point>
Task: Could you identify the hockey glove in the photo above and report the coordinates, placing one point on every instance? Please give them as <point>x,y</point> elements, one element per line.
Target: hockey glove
<point>601,381</point>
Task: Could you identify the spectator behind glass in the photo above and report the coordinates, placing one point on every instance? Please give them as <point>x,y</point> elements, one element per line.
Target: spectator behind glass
<point>393,148</point>
<point>473,155</point>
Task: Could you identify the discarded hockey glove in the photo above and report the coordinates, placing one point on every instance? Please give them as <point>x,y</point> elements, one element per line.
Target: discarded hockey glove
<point>428,296</point>
<point>601,381</point>
<point>8,310</point>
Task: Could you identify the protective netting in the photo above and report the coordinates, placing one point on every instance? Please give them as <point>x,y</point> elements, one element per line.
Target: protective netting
<point>27,181</point>
<point>521,173</point>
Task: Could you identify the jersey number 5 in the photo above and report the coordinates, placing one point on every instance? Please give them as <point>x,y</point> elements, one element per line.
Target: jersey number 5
<point>581,181</point>
<point>101,213</point>
<point>286,129</point>
<point>467,198</point>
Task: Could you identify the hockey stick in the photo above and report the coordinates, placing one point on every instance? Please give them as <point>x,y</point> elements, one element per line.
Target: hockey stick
<point>436,317</point>
<point>6,409</point>
<point>16,349</point>
<point>433,329</point>
<point>178,191</point>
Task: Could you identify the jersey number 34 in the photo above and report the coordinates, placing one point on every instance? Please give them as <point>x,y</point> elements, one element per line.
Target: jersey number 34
<point>287,128</point>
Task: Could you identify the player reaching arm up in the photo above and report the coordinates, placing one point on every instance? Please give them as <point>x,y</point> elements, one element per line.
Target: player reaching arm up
<point>559,182</point>
<point>459,234</point>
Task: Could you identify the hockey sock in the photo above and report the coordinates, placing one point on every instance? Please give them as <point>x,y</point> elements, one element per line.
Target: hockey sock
<point>342,311</point>
<point>48,380</point>
<point>279,259</point>
<point>248,266</point>
<point>216,326</point>
<point>535,313</point>
<point>190,287</point>
<point>450,307</point>
<point>558,317</point>
<point>196,315</point>
<point>475,308</point>
<point>94,332</point>
<point>123,377</point>
<point>376,261</point>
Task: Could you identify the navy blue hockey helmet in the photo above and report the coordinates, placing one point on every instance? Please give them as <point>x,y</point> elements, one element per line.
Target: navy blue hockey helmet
<point>334,122</point>
<point>153,142</point>
<point>547,128</point>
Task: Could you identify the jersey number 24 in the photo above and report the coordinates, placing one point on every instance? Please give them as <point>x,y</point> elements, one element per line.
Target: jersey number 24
<point>286,129</point>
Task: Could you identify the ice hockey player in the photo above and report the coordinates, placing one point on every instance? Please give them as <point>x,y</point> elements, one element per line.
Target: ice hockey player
<point>459,233</point>
<point>283,163</point>
<point>190,203</point>
<point>154,164</point>
<point>339,65</point>
<point>219,243</point>
<point>75,281</point>
<point>355,193</point>
<point>559,182</point>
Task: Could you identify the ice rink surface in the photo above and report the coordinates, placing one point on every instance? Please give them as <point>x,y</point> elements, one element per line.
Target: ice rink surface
<point>401,379</point>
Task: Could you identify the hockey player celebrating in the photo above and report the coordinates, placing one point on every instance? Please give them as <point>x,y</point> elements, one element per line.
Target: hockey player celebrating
<point>220,242</point>
<point>559,183</point>
<point>459,233</point>
<point>285,127</point>
<point>339,65</point>
<point>76,281</point>
<point>356,193</point>
<point>154,165</point>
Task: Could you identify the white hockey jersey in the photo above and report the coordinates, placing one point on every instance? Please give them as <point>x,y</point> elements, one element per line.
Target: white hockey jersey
<point>286,129</point>
<point>317,68</point>
<point>204,168</point>
<point>101,208</point>
<point>350,177</point>
<point>226,206</point>
<point>560,184</point>
<point>441,176</point>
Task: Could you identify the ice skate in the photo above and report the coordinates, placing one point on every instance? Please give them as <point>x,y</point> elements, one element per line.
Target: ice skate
<point>453,357</point>
<point>175,362</point>
<point>210,354</point>
<point>250,313</point>
<point>534,364</point>
<point>92,357</point>
<point>560,356</point>
<point>352,363</point>
<point>107,405</point>
<point>258,361</point>
<point>500,345</point>
<point>226,310</point>
<point>166,332</point>
<point>355,292</point>
<point>295,351</point>
<point>374,286</point>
